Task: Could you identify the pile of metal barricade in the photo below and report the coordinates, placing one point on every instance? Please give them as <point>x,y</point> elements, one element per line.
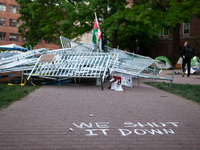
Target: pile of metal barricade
<point>76,61</point>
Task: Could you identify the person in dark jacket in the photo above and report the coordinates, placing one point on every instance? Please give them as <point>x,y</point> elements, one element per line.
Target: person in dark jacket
<point>187,54</point>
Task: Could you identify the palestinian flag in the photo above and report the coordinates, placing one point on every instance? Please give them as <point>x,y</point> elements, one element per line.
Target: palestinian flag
<point>95,29</point>
<point>100,40</point>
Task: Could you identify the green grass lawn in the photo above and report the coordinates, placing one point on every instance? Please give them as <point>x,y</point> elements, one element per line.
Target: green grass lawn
<point>11,93</point>
<point>188,91</point>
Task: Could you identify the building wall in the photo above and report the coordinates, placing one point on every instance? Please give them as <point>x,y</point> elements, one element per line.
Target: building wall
<point>8,15</point>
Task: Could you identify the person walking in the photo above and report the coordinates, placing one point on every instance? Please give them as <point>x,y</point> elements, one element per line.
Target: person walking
<point>187,54</point>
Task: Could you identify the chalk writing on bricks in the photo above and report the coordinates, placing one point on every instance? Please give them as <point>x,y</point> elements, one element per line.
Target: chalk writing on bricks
<point>128,128</point>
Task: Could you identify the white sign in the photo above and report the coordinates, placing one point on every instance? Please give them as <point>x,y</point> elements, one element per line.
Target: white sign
<point>126,80</point>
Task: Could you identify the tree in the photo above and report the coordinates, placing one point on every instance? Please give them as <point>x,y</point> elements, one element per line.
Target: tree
<point>81,20</point>
<point>48,19</point>
<point>40,19</point>
<point>120,27</point>
<point>139,25</point>
<point>170,14</point>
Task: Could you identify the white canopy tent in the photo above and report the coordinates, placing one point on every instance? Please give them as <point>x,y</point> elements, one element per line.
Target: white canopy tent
<point>13,47</point>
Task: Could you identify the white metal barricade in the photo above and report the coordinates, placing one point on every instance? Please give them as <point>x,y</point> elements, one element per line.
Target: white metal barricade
<point>22,56</point>
<point>74,64</point>
<point>79,60</point>
<point>67,43</point>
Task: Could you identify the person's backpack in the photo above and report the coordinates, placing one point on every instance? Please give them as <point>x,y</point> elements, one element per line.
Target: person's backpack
<point>189,52</point>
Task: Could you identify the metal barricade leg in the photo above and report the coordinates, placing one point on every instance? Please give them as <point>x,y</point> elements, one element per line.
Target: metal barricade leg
<point>172,79</point>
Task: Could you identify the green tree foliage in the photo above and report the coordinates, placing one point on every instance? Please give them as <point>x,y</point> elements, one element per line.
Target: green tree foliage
<point>81,20</point>
<point>40,19</point>
<point>120,26</point>
<point>48,19</point>
<point>139,25</point>
<point>78,20</point>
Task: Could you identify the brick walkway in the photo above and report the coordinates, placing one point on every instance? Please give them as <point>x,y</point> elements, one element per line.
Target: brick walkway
<point>85,117</point>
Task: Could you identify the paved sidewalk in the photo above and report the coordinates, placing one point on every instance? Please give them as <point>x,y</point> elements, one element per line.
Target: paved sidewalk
<point>84,117</point>
<point>193,79</point>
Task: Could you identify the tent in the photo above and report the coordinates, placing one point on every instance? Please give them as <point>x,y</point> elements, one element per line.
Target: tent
<point>12,47</point>
<point>194,62</point>
<point>164,62</point>
<point>179,63</point>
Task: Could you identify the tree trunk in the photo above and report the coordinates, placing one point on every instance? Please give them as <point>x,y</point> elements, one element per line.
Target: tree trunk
<point>176,45</point>
<point>114,39</point>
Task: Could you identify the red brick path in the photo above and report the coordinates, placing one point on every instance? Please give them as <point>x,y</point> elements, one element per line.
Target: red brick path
<point>141,117</point>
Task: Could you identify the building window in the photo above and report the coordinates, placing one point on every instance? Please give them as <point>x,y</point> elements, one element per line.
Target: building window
<point>14,37</point>
<point>2,7</point>
<point>186,28</point>
<point>13,23</point>
<point>2,21</point>
<point>165,32</point>
<point>2,36</point>
<point>14,9</point>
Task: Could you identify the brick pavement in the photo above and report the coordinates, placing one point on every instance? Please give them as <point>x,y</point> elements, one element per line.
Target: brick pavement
<point>82,116</point>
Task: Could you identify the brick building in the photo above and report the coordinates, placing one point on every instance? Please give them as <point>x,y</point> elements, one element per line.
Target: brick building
<point>188,32</point>
<point>9,26</point>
